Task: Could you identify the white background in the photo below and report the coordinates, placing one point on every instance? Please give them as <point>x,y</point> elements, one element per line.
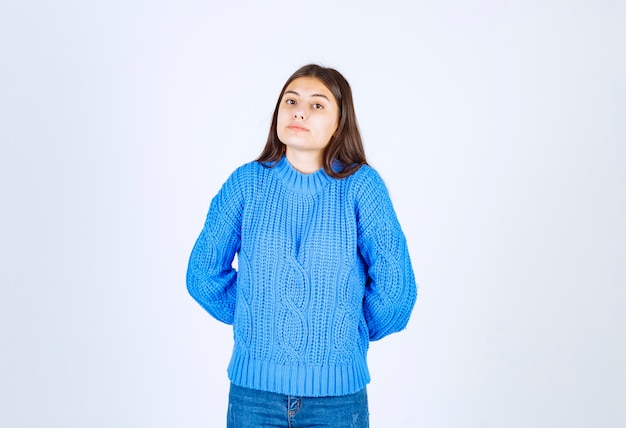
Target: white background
<point>499,127</point>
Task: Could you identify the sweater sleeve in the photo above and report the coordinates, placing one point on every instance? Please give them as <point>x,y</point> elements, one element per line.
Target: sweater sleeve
<point>211,277</point>
<point>390,291</point>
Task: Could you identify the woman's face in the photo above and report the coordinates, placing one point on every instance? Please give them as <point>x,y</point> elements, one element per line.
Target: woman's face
<point>308,116</point>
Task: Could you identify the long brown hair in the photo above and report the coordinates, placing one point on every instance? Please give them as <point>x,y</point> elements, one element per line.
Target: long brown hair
<point>344,153</point>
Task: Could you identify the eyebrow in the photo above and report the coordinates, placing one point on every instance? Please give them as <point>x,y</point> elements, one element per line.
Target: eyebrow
<point>313,95</point>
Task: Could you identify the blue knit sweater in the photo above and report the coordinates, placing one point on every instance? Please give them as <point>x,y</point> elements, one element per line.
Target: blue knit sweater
<point>322,269</point>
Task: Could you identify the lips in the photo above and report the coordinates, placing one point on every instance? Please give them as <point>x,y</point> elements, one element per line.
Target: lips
<point>296,127</point>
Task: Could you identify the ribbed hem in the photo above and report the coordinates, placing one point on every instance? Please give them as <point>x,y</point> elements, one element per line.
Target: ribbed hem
<point>298,380</point>
<point>308,184</point>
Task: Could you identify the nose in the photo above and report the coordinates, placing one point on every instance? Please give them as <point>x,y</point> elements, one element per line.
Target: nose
<point>298,113</point>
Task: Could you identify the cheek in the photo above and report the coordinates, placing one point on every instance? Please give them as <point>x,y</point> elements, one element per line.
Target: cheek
<point>282,117</point>
<point>282,120</point>
<point>333,127</point>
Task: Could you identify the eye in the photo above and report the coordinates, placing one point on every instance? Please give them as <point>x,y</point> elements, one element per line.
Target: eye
<point>290,101</point>
<point>317,106</point>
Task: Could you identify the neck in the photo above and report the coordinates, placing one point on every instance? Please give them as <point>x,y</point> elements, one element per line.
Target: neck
<point>304,162</point>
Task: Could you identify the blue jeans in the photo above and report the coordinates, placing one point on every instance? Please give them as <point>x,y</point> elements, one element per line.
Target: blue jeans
<point>249,408</point>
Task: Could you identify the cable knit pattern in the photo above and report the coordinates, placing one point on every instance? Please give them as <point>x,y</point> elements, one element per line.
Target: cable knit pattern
<point>323,269</point>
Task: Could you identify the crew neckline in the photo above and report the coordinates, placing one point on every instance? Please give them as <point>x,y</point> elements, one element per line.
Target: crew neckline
<point>299,182</point>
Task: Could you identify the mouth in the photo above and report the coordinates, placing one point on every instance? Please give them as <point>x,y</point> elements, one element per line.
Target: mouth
<point>294,127</point>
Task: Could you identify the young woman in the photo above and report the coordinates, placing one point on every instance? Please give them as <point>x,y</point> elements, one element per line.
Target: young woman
<point>323,265</point>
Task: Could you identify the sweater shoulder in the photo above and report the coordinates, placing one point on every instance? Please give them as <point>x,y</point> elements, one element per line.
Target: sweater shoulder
<point>372,200</point>
<point>247,171</point>
<point>365,174</point>
<point>243,179</point>
<point>366,181</point>
<point>235,191</point>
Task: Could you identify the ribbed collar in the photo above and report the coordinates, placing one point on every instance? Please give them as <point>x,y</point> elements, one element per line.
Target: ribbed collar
<point>308,184</point>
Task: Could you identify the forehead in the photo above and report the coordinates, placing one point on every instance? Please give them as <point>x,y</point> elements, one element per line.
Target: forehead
<point>309,86</point>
